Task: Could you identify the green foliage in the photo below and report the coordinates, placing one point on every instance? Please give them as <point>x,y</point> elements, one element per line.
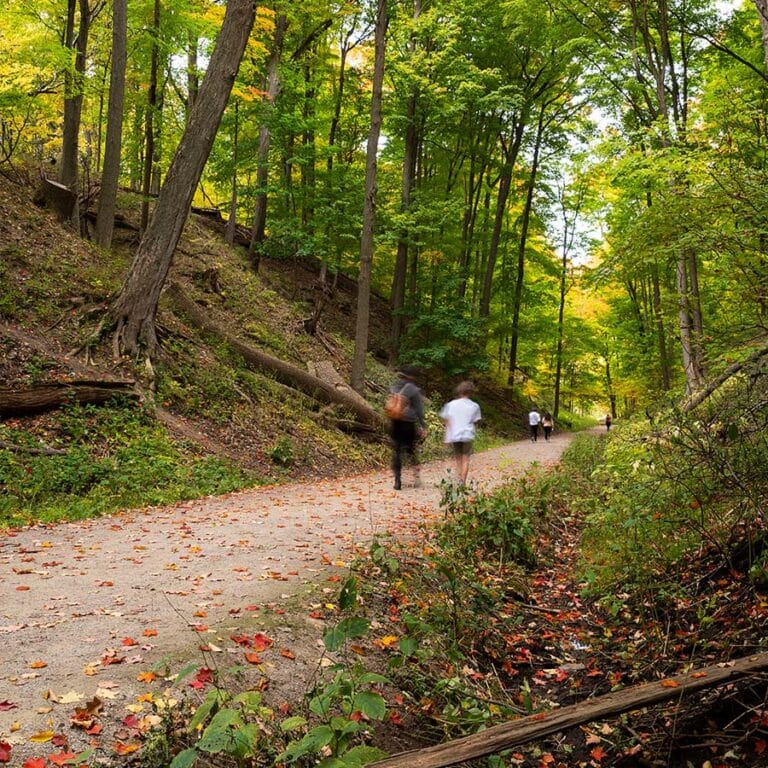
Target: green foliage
<point>696,483</point>
<point>478,525</point>
<point>139,466</point>
<point>340,705</point>
<point>283,452</point>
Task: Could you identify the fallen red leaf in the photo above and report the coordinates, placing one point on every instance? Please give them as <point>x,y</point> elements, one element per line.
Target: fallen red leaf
<point>261,642</point>
<point>288,654</point>
<point>149,633</point>
<point>598,753</point>
<point>129,641</point>
<point>670,683</point>
<point>6,705</point>
<point>34,762</point>
<point>5,752</point>
<point>253,658</point>
<point>61,758</point>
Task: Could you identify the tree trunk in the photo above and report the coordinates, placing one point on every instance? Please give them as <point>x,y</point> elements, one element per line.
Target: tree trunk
<point>762,11</point>
<point>505,184</point>
<point>105,221</point>
<point>193,78</point>
<point>524,226</point>
<point>369,206</point>
<point>262,169</point>
<point>308,176</point>
<point>229,232</point>
<point>133,311</point>
<point>149,119</point>
<point>410,156</point>
<point>73,101</point>
<point>560,316</point>
<point>661,337</point>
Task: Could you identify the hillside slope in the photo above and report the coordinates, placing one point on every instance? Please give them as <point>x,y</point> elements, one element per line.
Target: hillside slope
<point>54,287</point>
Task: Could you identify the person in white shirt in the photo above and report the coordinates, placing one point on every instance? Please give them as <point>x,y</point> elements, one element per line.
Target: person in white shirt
<point>460,417</point>
<point>533,422</point>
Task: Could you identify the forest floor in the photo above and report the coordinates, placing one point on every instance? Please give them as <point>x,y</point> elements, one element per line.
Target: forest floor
<point>98,616</point>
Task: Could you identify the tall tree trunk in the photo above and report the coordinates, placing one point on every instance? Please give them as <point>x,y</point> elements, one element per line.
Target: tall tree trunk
<point>505,184</point>
<point>522,245</point>
<point>149,118</point>
<point>105,220</point>
<point>369,207</point>
<point>762,11</point>
<point>133,311</point>
<point>193,77</point>
<point>661,336</point>
<point>410,156</point>
<point>308,141</point>
<point>229,232</point>
<point>259,226</point>
<point>73,100</point>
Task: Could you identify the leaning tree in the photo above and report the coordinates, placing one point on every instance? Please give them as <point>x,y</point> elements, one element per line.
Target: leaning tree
<point>132,313</point>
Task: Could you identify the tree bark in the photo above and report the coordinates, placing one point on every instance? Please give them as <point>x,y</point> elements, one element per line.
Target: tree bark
<point>105,220</point>
<point>259,227</point>
<point>229,232</point>
<point>73,101</point>
<point>518,297</point>
<point>762,11</point>
<point>149,118</point>
<point>45,397</point>
<point>369,206</point>
<point>505,184</point>
<point>410,156</point>
<point>500,737</point>
<point>133,311</point>
<point>286,373</point>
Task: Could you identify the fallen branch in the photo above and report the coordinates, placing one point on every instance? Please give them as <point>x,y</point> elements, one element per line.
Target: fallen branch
<point>45,397</point>
<point>501,737</point>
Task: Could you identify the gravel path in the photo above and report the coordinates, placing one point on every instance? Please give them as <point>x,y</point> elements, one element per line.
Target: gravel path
<point>86,608</point>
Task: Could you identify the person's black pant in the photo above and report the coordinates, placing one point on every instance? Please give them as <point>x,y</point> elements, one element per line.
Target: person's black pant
<point>403,434</point>
<point>534,432</point>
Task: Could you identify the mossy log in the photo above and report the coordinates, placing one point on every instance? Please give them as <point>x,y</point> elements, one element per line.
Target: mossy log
<point>284,372</point>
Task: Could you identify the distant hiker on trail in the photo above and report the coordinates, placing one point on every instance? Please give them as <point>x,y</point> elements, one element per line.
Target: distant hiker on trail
<point>405,409</point>
<point>608,422</point>
<point>547,424</point>
<point>533,422</point>
<point>460,416</point>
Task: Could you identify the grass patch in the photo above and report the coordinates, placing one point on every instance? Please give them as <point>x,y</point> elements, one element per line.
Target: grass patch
<point>116,457</point>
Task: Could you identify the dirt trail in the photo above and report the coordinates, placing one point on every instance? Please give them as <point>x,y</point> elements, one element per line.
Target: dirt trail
<point>178,578</point>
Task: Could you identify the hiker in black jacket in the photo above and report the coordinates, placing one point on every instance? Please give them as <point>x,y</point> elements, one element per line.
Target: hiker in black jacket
<point>407,426</point>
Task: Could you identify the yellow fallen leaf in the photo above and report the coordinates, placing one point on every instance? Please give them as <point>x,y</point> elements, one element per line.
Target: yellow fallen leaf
<point>38,664</point>
<point>42,737</point>
<point>90,670</point>
<point>70,698</point>
<point>15,727</point>
<point>135,708</point>
<point>387,641</point>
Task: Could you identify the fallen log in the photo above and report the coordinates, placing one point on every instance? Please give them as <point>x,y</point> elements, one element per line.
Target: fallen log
<point>42,451</point>
<point>500,737</point>
<point>697,398</point>
<point>23,399</point>
<point>284,372</point>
